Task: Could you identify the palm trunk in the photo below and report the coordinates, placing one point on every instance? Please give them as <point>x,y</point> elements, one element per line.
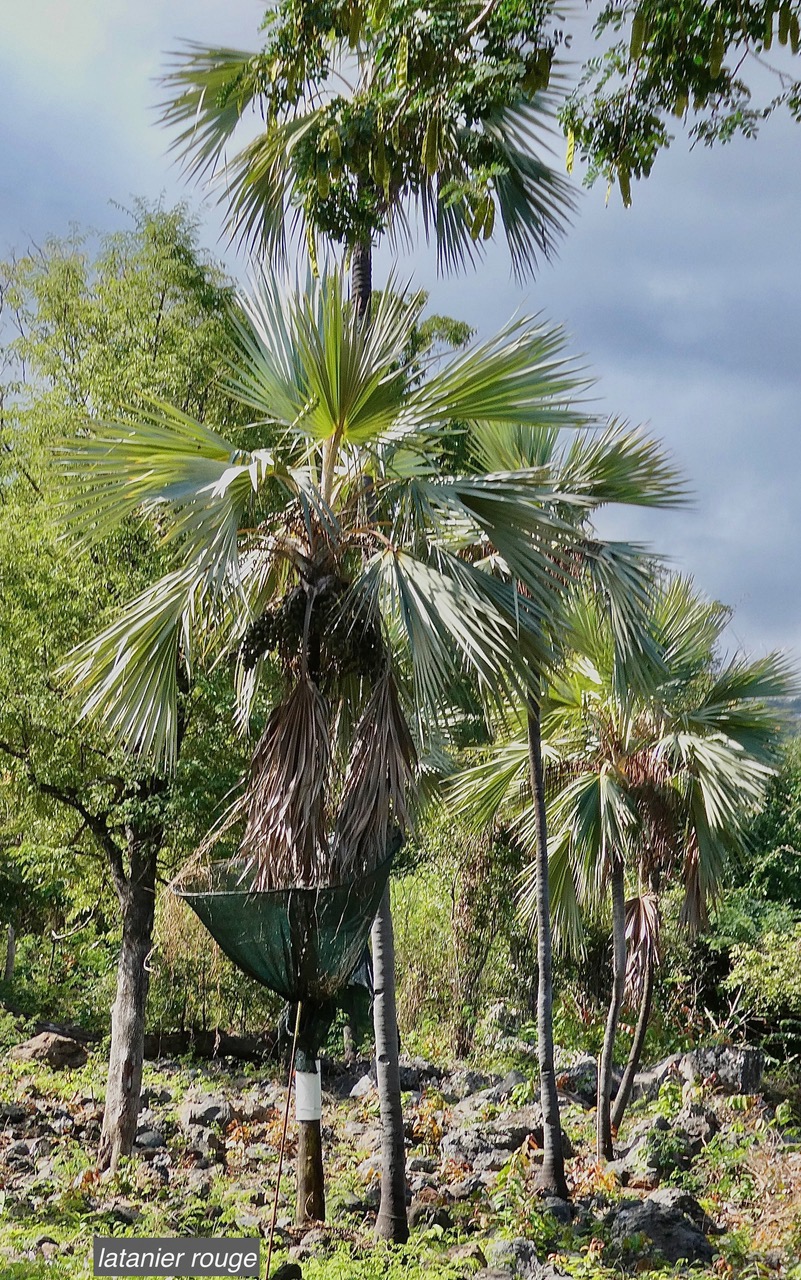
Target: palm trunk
<point>391,1223</point>
<point>604,1144</point>
<point>11,953</point>
<point>361,278</point>
<point>635,1053</point>
<point>552,1177</point>
<point>310,1204</point>
<point>137,895</point>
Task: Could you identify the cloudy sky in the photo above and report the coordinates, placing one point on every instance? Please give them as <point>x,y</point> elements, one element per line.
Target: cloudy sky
<point>687,307</point>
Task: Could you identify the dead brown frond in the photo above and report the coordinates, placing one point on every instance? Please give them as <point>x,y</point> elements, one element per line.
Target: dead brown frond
<point>285,837</point>
<point>643,922</point>
<point>694,914</point>
<point>379,775</point>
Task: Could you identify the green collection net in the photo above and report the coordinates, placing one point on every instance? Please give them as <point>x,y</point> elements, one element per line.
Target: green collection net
<point>303,943</point>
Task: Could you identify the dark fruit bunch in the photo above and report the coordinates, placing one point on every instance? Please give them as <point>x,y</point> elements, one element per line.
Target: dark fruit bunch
<point>339,642</point>
<point>259,638</point>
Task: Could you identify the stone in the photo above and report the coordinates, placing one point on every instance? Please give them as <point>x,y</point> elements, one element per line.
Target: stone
<point>153,1093</point>
<point>363,1086</point>
<point>198,1182</point>
<point>150,1139</point>
<point>682,1202</point>
<point>421,1164</point>
<point>465,1187</point>
<point>417,1073</point>
<point>510,1081</point>
<point>427,1213</point>
<point>470,1252</point>
<point>648,1083</point>
<point>673,1235</point>
<point>204,1142</point>
<point>463,1083</point>
<point>205,1111</point>
<point>561,1210</point>
<point>11,1113</point>
<point>698,1124</point>
<point>517,1258</point>
<point>734,1069</point>
<point>56,1050</point>
<point>312,1244</point>
<point>580,1079</point>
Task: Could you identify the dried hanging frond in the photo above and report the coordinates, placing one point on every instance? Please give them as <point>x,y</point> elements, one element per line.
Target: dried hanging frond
<point>694,915</point>
<point>285,837</point>
<point>379,776</point>
<point>642,941</point>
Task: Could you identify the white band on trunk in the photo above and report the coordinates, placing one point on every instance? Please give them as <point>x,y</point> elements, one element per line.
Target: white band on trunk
<point>309,1094</point>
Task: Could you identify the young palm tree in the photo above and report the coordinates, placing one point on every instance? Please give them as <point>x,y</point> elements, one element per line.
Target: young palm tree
<point>620,576</point>
<point>651,779</point>
<point>340,542</point>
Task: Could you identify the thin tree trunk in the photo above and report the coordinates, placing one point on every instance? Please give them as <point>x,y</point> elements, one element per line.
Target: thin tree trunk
<point>604,1144</point>
<point>310,1201</point>
<point>310,1205</point>
<point>635,1053</point>
<point>391,1223</point>
<point>11,954</point>
<point>552,1176</point>
<point>137,895</point>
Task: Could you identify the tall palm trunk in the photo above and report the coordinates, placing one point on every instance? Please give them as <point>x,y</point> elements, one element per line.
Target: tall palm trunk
<point>552,1177</point>
<point>392,1223</point>
<point>604,1145</point>
<point>137,895</point>
<point>635,1053</point>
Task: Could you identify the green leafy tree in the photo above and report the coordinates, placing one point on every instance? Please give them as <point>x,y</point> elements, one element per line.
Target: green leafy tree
<point>706,67</point>
<point>90,333</point>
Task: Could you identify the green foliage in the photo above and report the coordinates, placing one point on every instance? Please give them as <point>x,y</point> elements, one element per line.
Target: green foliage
<point>372,107</point>
<point>678,60</point>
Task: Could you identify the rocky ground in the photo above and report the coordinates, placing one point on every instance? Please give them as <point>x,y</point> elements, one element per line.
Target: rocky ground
<point>707,1174</point>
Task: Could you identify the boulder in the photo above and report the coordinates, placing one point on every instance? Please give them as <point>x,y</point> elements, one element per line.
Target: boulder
<point>205,1111</point>
<point>463,1083</point>
<point>697,1124</point>
<point>56,1050</point>
<point>489,1146</point>
<point>648,1083</point>
<point>362,1086</point>
<point>427,1213</point>
<point>734,1069</point>
<point>517,1258</point>
<point>673,1235</point>
<point>580,1079</point>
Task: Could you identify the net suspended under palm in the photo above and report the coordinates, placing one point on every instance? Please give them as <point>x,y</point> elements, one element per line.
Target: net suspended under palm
<point>293,909</point>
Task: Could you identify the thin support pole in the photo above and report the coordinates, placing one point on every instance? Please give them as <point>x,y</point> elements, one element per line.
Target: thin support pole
<point>283,1140</point>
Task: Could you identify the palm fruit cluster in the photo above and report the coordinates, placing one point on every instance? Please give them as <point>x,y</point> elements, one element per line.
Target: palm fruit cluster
<point>339,643</point>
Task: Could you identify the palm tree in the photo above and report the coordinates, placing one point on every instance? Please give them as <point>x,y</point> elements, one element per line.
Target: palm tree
<point>620,576</point>
<point>367,110</point>
<point>652,779</point>
<point>338,542</point>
